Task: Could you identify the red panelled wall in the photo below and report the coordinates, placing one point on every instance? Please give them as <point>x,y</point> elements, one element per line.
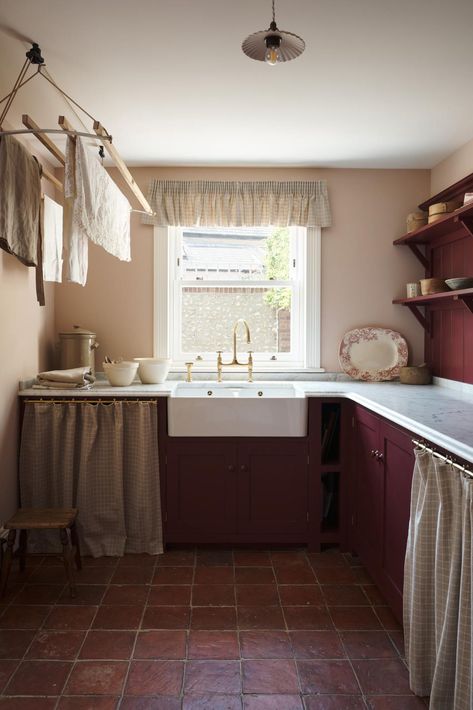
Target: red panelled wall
<point>449,346</point>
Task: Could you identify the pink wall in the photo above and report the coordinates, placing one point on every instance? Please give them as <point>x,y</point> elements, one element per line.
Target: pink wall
<point>27,336</point>
<point>455,167</point>
<point>27,333</point>
<point>361,270</point>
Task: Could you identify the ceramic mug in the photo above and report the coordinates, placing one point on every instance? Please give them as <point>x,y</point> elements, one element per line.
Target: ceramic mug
<point>413,289</point>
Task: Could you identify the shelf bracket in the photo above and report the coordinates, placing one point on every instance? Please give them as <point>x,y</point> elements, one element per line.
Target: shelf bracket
<point>466,300</point>
<point>419,316</point>
<point>467,223</point>
<point>422,258</point>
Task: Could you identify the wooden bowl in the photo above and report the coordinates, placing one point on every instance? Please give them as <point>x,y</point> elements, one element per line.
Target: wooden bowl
<point>434,285</point>
<point>417,375</point>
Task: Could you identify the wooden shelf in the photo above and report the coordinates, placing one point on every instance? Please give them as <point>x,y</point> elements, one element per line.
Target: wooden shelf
<point>460,295</point>
<point>461,218</point>
<point>439,246</point>
<point>452,192</point>
<point>465,295</point>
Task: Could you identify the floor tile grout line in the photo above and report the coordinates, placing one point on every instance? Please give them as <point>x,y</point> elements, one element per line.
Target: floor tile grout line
<point>188,630</point>
<point>132,654</point>
<point>76,660</point>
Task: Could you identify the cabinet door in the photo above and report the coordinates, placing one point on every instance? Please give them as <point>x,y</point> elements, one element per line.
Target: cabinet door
<point>368,490</point>
<point>398,467</point>
<point>201,491</point>
<point>273,489</point>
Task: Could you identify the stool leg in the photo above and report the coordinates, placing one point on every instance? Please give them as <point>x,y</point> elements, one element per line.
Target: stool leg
<point>67,555</point>
<point>7,561</point>
<point>75,543</point>
<point>22,549</point>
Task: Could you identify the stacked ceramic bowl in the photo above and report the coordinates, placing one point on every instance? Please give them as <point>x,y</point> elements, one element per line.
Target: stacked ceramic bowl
<point>460,282</point>
<point>120,374</point>
<point>152,370</point>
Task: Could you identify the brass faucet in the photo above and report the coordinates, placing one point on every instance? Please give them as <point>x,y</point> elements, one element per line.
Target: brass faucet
<point>235,361</point>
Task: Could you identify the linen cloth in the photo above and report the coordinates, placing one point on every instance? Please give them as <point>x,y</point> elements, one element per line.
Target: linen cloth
<point>96,209</point>
<point>437,573</point>
<point>239,204</point>
<point>72,378</point>
<point>75,238</point>
<point>101,458</point>
<point>52,220</point>
<point>20,198</point>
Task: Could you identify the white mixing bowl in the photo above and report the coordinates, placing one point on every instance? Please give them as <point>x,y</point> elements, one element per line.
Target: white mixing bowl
<point>120,374</point>
<point>152,371</point>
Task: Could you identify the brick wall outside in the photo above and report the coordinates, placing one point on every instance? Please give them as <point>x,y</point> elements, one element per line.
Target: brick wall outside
<point>208,316</point>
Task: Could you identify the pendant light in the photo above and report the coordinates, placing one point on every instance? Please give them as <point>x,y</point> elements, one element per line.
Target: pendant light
<point>273,45</point>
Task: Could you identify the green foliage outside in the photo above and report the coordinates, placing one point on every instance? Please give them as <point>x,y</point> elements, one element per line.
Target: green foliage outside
<point>277,268</point>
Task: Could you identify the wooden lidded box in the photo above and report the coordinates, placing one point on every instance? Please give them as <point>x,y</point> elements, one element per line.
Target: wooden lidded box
<point>440,209</point>
<point>416,220</point>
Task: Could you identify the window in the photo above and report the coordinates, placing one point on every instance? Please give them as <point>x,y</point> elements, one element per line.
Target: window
<point>207,278</point>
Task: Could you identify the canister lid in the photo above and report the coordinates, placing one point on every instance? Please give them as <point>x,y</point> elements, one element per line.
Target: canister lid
<point>78,332</point>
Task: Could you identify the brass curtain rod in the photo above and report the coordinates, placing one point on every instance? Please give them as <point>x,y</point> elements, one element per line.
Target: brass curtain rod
<point>447,459</point>
<point>98,400</point>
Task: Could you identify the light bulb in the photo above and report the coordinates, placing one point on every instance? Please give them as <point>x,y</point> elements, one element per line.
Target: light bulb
<point>272,56</point>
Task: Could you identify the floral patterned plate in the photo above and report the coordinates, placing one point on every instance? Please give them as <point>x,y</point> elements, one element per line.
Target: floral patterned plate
<point>372,354</point>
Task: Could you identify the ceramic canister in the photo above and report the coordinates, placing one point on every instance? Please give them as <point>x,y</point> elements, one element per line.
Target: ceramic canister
<point>413,289</point>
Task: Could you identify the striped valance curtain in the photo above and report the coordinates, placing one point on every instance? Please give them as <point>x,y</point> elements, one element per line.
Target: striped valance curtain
<point>239,204</point>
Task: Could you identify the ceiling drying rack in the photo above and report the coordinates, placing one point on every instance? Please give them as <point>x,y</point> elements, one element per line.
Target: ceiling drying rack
<point>34,57</point>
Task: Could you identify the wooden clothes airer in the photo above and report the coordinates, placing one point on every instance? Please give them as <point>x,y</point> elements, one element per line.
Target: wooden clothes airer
<point>34,57</point>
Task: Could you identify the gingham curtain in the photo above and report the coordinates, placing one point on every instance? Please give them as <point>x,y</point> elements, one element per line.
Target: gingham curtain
<point>239,204</point>
<point>437,585</point>
<point>101,458</point>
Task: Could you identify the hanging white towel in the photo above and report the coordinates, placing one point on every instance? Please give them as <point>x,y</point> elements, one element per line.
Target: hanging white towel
<point>52,240</point>
<point>99,209</point>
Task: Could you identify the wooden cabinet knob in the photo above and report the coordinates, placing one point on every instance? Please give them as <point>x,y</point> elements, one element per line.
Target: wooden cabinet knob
<point>231,467</point>
<point>243,467</point>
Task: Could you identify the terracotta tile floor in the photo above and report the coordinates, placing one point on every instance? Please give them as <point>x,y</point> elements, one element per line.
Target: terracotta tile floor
<point>201,629</point>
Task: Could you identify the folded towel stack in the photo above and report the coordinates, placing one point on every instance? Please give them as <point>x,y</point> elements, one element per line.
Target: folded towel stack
<point>76,378</point>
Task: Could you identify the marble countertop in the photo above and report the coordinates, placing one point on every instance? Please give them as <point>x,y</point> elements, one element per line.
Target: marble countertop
<point>441,415</point>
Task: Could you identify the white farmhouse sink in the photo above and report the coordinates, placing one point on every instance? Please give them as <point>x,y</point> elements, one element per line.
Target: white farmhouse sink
<point>237,409</point>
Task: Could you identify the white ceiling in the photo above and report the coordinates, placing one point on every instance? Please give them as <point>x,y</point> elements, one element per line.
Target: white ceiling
<point>382,83</point>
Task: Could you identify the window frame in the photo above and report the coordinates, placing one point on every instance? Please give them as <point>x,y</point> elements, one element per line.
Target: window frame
<point>308,241</point>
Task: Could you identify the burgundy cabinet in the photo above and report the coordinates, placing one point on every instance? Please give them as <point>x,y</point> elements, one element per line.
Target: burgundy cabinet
<point>272,489</point>
<point>200,491</point>
<point>384,462</point>
<point>368,488</point>
<point>236,490</point>
<point>398,452</point>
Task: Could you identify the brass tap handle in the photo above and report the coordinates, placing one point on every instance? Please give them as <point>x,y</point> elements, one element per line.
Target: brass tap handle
<point>189,371</point>
<point>219,365</point>
<point>250,365</point>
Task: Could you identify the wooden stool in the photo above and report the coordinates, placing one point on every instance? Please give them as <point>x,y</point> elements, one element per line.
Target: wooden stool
<point>62,519</point>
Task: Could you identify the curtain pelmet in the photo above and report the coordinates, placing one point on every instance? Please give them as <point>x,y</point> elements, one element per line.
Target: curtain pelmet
<point>239,204</point>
